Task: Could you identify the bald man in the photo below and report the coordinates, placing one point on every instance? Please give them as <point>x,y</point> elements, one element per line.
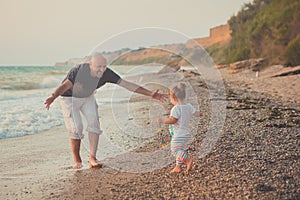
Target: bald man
<point>77,95</point>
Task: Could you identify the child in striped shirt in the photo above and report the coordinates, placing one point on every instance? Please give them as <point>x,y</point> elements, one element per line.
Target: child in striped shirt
<point>178,122</point>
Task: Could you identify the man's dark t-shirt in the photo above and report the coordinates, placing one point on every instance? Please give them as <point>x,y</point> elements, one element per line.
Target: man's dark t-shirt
<point>84,84</point>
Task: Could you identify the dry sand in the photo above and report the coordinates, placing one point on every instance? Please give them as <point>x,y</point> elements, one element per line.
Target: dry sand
<point>257,156</point>
<point>283,88</point>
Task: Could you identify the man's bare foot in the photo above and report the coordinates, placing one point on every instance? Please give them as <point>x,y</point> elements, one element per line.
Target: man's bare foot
<point>189,163</point>
<point>77,165</point>
<point>95,164</point>
<point>177,169</point>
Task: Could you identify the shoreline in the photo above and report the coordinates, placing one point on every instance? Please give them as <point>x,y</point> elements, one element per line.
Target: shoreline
<point>256,157</point>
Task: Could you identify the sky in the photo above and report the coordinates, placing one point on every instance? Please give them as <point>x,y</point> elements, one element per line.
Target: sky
<point>43,32</point>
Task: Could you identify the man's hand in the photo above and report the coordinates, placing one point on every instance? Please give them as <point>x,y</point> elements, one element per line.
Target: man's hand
<point>49,101</point>
<point>138,89</point>
<point>67,84</point>
<point>158,96</point>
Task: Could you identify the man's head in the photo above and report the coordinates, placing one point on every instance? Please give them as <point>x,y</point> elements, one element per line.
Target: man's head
<point>97,65</point>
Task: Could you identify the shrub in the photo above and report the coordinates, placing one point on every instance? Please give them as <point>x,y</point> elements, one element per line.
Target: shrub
<point>292,52</point>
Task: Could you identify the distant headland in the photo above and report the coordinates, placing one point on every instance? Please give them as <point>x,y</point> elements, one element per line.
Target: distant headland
<point>219,34</point>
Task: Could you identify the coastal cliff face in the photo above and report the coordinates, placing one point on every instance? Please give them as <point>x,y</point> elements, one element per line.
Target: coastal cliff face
<point>161,54</point>
<point>219,34</point>
<point>164,54</point>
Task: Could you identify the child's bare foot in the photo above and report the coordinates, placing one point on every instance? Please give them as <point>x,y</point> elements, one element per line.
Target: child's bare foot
<point>77,165</point>
<point>95,164</point>
<point>177,169</point>
<point>189,163</point>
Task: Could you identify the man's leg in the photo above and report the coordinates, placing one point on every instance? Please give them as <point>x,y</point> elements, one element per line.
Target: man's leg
<point>94,139</point>
<point>72,118</point>
<point>75,144</point>
<point>90,111</point>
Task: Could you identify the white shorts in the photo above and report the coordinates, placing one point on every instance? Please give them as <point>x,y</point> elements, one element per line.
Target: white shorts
<point>73,108</point>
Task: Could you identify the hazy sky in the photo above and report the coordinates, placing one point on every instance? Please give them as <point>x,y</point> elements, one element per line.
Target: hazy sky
<point>42,32</point>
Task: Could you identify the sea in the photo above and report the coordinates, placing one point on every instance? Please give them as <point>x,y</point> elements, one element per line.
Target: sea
<point>23,90</point>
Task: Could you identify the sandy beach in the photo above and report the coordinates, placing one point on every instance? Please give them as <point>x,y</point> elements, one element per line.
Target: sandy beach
<point>256,156</point>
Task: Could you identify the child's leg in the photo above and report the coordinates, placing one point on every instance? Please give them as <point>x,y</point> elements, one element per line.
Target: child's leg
<point>188,162</point>
<point>178,146</point>
<point>180,160</point>
<point>176,169</point>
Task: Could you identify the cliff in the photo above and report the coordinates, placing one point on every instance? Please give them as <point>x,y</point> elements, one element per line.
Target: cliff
<point>219,34</point>
<point>266,29</point>
<point>162,54</point>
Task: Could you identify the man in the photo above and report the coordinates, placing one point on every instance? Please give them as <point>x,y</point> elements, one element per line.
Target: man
<point>77,95</point>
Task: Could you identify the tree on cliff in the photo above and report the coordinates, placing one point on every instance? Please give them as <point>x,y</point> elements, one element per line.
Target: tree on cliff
<point>265,28</point>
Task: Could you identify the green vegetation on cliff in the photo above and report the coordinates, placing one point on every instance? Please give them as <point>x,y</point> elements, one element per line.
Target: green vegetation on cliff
<point>267,29</point>
<point>264,28</point>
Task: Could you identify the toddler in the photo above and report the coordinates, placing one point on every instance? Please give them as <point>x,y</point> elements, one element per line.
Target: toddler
<point>178,121</point>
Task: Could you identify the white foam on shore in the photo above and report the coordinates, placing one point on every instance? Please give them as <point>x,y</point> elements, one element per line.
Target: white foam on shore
<point>23,113</point>
<point>22,106</point>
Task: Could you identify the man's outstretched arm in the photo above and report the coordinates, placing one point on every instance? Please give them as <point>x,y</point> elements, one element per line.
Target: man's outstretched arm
<point>67,84</point>
<point>138,89</point>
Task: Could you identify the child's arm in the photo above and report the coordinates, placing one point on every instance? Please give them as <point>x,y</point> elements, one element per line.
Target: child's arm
<point>168,120</point>
<point>197,114</point>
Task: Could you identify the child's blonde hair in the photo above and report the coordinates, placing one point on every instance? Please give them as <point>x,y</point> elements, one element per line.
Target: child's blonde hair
<point>178,91</point>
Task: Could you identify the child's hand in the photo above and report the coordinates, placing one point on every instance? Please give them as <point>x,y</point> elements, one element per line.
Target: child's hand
<point>201,115</point>
<point>158,120</point>
<point>198,114</point>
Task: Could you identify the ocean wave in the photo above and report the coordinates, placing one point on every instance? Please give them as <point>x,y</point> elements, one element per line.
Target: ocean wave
<point>55,72</point>
<point>27,116</point>
<point>26,86</point>
<point>47,82</point>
